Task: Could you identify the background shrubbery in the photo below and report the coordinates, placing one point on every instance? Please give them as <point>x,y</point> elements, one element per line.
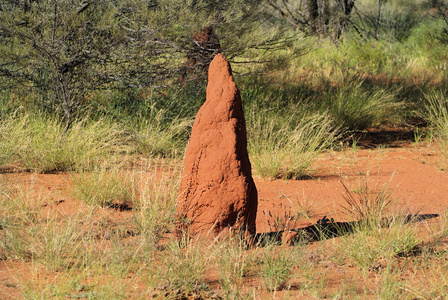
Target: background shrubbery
<point>107,91</point>
<point>70,68</point>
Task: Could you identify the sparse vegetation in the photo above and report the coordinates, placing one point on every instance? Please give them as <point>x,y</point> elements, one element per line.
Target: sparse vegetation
<point>98,99</point>
<point>285,147</point>
<point>41,144</point>
<point>368,206</point>
<point>276,268</point>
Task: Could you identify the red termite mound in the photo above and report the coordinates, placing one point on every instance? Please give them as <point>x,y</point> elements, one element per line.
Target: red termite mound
<point>217,191</point>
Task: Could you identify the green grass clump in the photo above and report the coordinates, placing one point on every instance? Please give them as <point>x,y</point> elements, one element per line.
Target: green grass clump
<point>159,136</point>
<point>43,144</point>
<point>276,267</point>
<point>155,207</point>
<point>367,206</point>
<point>373,248</point>
<point>282,146</point>
<point>184,265</point>
<point>20,204</point>
<point>356,108</point>
<point>436,113</point>
<point>234,263</point>
<point>51,242</point>
<point>380,235</point>
<point>103,186</point>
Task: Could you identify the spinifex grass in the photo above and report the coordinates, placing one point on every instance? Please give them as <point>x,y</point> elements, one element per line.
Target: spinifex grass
<point>285,147</point>
<point>155,207</point>
<point>356,107</point>
<point>159,136</point>
<point>55,243</point>
<point>20,204</point>
<point>184,264</point>
<point>149,190</point>
<point>375,248</point>
<point>43,144</point>
<point>436,113</point>
<point>235,262</point>
<point>367,206</point>
<point>276,267</point>
<point>379,234</point>
<point>104,186</point>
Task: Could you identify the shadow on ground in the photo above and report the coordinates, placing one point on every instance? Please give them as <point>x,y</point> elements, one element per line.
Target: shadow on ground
<point>326,229</point>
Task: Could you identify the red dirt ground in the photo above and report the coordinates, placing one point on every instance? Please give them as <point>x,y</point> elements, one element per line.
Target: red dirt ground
<point>413,172</point>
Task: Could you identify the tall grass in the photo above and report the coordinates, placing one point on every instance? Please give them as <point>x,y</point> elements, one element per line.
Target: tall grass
<point>355,107</point>
<point>20,204</point>
<point>157,135</point>
<point>155,206</point>
<point>285,146</point>
<point>42,144</point>
<point>436,113</point>
<point>234,263</point>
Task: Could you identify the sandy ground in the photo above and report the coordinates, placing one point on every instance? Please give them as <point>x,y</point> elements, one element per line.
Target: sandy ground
<point>413,172</point>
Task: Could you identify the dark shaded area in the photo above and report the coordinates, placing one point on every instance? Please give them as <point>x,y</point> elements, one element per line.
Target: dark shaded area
<point>393,137</point>
<point>120,206</point>
<point>327,229</point>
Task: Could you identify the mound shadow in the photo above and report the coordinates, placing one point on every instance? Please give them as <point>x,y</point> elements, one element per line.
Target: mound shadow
<point>325,229</point>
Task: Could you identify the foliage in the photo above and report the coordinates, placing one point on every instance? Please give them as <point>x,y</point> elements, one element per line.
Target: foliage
<point>276,268</point>
<point>62,50</point>
<point>42,144</point>
<point>282,146</point>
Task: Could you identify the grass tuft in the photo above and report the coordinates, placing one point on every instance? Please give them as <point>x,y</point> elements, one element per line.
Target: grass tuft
<point>368,206</point>
<point>276,267</point>
<point>158,136</point>
<point>104,187</point>
<point>43,145</point>
<point>285,147</point>
<point>436,113</point>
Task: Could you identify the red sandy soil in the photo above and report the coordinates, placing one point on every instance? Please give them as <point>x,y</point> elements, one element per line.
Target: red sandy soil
<point>413,172</point>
